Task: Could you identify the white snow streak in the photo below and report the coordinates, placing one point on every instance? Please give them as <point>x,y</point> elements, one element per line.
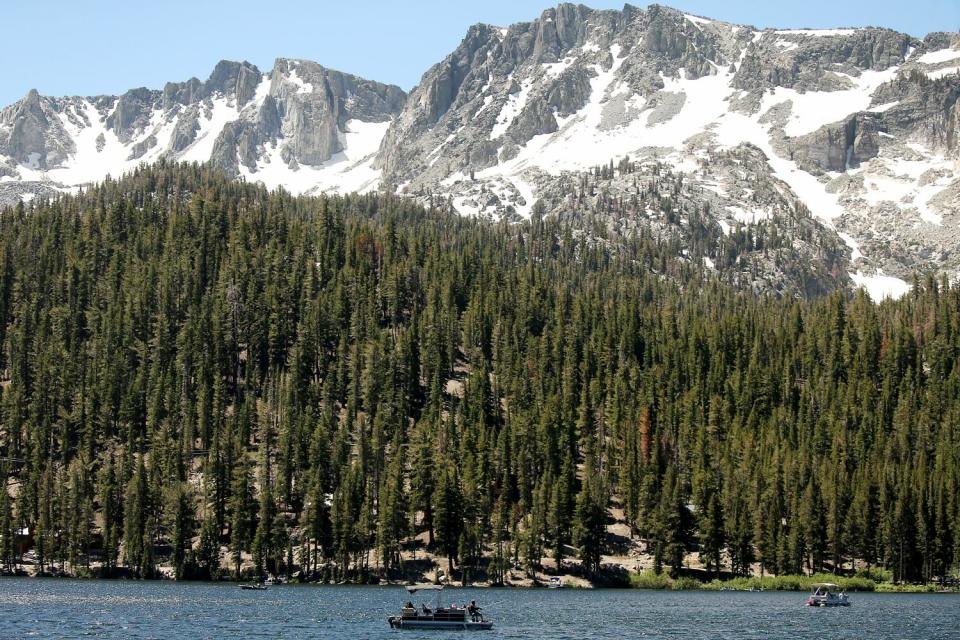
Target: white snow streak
<point>942,55</point>
<point>880,286</point>
<point>347,171</point>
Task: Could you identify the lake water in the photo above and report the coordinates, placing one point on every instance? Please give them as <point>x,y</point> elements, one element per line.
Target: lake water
<point>58,608</point>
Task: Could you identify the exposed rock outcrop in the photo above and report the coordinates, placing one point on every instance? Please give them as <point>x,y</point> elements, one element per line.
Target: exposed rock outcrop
<point>32,134</point>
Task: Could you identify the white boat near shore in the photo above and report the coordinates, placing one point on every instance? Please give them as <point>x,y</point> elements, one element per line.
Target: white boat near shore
<point>827,594</point>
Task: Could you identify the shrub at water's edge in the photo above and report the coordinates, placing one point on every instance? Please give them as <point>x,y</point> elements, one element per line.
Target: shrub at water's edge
<point>889,587</point>
<point>650,580</point>
<point>793,583</point>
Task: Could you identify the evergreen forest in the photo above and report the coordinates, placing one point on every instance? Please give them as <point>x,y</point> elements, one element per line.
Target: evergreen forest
<point>206,375</point>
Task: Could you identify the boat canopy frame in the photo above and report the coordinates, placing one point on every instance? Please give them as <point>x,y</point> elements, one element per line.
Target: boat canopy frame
<point>413,588</point>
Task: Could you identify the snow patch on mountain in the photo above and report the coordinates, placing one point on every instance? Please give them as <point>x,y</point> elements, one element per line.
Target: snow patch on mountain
<point>296,80</point>
<point>811,110</point>
<point>93,160</point>
<point>349,171</point>
<point>816,33</point>
<point>937,74</point>
<point>511,109</point>
<point>554,69</point>
<point>942,55</point>
<point>212,120</point>
<point>748,216</point>
<point>880,286</point>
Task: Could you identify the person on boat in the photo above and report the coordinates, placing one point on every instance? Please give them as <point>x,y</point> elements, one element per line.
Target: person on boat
<point>409,605</point>
<point>426,610</point>
<point>474,610</point>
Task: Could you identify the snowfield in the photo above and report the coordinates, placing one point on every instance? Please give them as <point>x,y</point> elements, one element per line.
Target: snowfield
<point>350,170</point>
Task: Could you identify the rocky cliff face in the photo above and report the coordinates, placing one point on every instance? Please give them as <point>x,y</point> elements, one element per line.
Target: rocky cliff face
<point>787,159</point>
<point>856,125</point>
<point>294,124</point>
<point>31,134</point>
<point>503,87</point>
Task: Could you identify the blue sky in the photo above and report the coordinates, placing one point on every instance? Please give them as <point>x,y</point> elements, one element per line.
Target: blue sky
<point>92,47</point>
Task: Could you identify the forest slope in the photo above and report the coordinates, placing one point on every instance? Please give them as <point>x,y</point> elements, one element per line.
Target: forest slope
<point>196,369</point>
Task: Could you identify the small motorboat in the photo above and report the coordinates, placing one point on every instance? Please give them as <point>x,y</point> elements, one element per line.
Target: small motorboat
<point>827,594</point>
<point>555,583</point>
<point>467,618</point>
<point>254,586</point>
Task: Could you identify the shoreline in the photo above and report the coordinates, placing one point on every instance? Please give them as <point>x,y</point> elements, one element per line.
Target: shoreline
<point>645,581</point>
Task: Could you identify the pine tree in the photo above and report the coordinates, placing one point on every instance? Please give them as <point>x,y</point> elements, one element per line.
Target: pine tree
<point>111,514</point>
<point>182,526</point>
<point>7,530</point>
<point>392,512</point>
<point>240,507</point>
<point>712,532</point>
<point>589,529</point>
<point>423,481</point>
<point>208,549</point>
<point>137,538</point>
<point>447,514</point>
<point>263,538</point>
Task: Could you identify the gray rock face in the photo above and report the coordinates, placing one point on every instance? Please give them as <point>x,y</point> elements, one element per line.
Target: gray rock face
<point>924,109</point>
<point>839,146</point>
<point>570,92</point>
<point>313,117</point>
<point>141,148</point>
<point>132,113</point>
<point>31,133</point>
<point>185,130</point>
<point>238,80</point>
<point>938,40</point>
<point>512,84</point>
<point>307,111</point>
<point>534,120</point>
<point>182,93</point>
<point>677,39</point>
<point>809,62</point>
<point>559,30</point>
<point>233,120</point>
<point>515,108</point>
<point>241,142</point>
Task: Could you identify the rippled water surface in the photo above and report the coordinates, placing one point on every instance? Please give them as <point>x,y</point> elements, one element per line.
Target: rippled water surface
<point>124,609</point>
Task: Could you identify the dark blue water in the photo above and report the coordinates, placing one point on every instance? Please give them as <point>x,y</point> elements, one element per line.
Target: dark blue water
<point>120,609</point>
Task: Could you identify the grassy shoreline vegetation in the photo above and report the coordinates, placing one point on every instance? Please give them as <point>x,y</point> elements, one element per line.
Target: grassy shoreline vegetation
<point>200,379</point>
<point>650,580</point>
<point>876,581</point>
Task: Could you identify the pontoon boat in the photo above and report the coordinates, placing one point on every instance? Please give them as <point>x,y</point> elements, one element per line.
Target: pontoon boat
<point>827,594</point>
<point>467,617</point>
